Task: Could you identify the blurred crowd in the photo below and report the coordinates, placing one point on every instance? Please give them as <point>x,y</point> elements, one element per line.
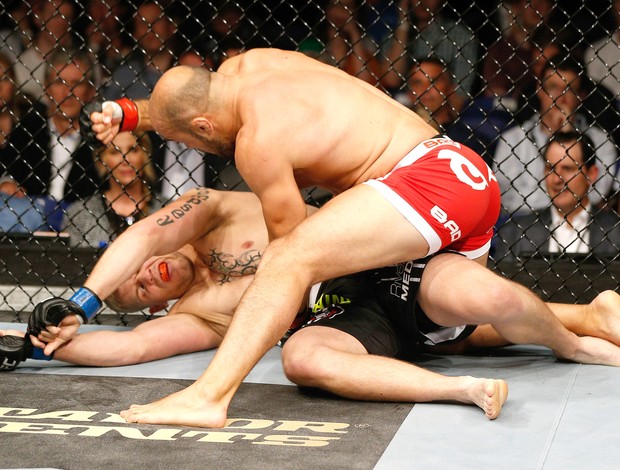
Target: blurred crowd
<point>531,85</point>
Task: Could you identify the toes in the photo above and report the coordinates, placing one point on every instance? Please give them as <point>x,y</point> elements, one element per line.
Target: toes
<point>493,399</point>
<point>129,415</point>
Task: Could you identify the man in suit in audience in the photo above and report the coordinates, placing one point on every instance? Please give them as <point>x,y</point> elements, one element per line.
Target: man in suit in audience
<point>517,163</point>
<point>571,224</point>
<point>66,171</point>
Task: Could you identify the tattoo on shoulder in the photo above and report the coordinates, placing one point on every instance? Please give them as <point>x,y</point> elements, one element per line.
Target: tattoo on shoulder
<point>202,194</point>
<point>229,266</point>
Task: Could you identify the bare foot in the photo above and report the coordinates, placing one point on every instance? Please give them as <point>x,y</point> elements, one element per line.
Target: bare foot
<point>490,395</point>
<point>605,312</point>
<point>186,407</point>
<point>596,351</point>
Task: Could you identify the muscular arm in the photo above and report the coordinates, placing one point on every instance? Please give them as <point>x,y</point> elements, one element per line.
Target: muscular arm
<point>144,120</point>
<point>272,179</point>
<point>183,221</point>
<point>156,339</point>
<point>283,209</point>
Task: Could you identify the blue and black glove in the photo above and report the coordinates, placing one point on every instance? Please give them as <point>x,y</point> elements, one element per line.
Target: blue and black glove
<point>15,349</point>
<point>84,303</point>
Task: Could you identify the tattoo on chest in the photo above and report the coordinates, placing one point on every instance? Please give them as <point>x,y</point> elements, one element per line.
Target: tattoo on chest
<point>229,266</point>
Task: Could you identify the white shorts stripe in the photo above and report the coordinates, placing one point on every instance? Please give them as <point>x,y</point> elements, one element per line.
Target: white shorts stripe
<point>314,293</point>
<point>473,254</point>
<point>412,215</point>
<point>443,335</point>
<point>415,154</point>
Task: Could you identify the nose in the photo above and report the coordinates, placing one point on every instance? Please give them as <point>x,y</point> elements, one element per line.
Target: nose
<point>144,277</point>
<point>556,178</point>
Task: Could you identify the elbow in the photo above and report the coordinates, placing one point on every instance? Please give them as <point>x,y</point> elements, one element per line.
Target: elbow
<point>143,230</point>
<point>280,227</point>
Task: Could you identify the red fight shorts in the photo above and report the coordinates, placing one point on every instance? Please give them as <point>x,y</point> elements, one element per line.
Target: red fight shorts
<point>448,193</point>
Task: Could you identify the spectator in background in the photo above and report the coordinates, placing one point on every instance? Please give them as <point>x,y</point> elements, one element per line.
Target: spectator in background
<point>431,92</point>
<point>507,65</point>
<point>603,57</point>
<point>52,162</point>
<point>177,167</point>
<point>571,224</point>
<point>53,21</point>
<point>153,33</point>
<point>23,140</point>
<point>380,18</point>
<point>543,45</point>
<point>18,213</point>
<point>105,33</point>
<point>69,172</point>
<point>347,44</point>
<point>127,174</point>
<point>423,31</point>
<point>183,169</point>
<point>16,28</point>
<point>602,60</point>
<point>597,104</point>
<point>517,163</point>
<point>194,58</point>
<point>228,28</point>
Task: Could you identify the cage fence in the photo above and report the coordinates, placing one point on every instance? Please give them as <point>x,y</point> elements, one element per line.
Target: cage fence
<point>503,77</point>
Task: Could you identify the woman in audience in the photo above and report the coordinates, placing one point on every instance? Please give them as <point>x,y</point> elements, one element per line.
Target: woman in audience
<point>128,176</point>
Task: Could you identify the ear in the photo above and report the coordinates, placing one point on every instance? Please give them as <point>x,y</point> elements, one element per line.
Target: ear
<point>202,125</point>
<point>157,307</point>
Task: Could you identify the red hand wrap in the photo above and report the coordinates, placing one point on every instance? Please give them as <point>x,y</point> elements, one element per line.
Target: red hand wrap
<point>130,114</point>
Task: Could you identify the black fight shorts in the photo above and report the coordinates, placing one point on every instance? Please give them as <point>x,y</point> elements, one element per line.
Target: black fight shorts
<point>380,310</point>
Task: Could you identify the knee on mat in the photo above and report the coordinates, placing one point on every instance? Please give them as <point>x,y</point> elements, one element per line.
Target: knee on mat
<point>304,364</point>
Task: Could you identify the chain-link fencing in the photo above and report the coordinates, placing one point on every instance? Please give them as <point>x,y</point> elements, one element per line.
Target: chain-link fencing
<point>531,85</point>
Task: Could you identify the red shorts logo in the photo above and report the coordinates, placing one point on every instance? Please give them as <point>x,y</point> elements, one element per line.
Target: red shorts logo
<point>440,216</point>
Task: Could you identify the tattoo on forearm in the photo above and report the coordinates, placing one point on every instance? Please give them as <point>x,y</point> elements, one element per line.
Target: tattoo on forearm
<point>229,266</point>
<point>177,213</point>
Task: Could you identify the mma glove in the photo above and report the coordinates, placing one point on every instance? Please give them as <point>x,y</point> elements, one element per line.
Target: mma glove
<point>125,111</point>
<point>15,349</point>
<point>84,304</point>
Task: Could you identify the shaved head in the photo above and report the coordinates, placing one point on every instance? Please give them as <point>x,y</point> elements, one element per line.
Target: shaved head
<point>183,107</point>
<point>181,94</point>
